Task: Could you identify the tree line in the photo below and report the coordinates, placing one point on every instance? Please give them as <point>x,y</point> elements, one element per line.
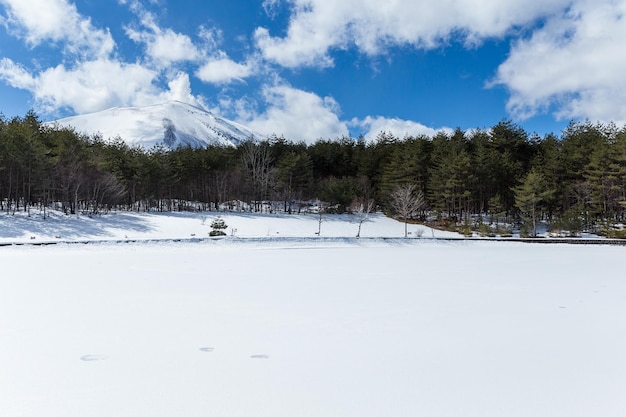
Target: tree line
<point>576,180</point>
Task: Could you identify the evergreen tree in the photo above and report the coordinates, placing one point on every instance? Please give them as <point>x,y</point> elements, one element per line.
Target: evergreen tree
<point>451,175</point>
<point>294,177</point>
<point>217,227</point>
<point>408,164</point>
<point>533,191</point>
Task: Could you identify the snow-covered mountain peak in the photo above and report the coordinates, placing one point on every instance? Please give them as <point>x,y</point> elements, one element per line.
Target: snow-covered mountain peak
<point>172,124</point>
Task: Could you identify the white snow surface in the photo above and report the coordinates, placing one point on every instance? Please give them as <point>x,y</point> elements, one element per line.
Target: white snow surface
<point>260,326</point>
<point>56,227</point>
<point>171,124</point>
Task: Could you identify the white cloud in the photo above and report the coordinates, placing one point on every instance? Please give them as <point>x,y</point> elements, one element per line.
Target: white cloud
<point>168,46</point>
<point>575,64</point>
<point>95,85</point>
<point>211,36</point>
<point>59,21</point>
<point>270,7</point>
<point>218,68</point>
<point>92,85</point>
<point>100,80</point>
<point>572,64</point>
<point>163,46</point>
<point>301,115</point>
<point>303,50</point>
<point>179,89</point>
<point>16,75</point>
<point>295,114</point>
<point>399,128</point>
<point>318,26</point>
<point>223,70</point>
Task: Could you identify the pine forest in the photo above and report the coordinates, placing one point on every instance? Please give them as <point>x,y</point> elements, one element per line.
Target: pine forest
<point>464,180</point>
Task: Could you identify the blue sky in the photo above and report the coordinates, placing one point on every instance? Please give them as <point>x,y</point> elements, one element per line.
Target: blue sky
<point>310,69</point>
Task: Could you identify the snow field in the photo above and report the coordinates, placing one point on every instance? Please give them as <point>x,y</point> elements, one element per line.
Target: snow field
<point>141,226</point>
<point>371,329</point>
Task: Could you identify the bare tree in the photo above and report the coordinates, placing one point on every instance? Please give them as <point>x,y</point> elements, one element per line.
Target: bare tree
<point>406,200</point>
<point>106,191</point>
<point>321,210</point>
<point>256,159</point>
<point>361,207</point>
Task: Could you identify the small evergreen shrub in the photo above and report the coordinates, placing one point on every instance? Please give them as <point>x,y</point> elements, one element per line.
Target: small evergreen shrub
<point>571,222</point>
<point>485,230</point>
<point>217,227</point>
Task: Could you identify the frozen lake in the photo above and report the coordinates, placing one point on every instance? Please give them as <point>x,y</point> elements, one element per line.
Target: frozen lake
<point>357,329</point>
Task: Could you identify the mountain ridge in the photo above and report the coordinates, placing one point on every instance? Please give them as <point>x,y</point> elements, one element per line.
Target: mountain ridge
<point>172,124</point>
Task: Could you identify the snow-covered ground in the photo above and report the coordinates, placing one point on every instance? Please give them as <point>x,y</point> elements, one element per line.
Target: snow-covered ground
<point>240,327</point>
<point>140,226</point>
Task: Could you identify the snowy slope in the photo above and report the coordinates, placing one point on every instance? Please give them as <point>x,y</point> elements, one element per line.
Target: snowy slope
<point>20,228</point>
<point>173,124</point>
